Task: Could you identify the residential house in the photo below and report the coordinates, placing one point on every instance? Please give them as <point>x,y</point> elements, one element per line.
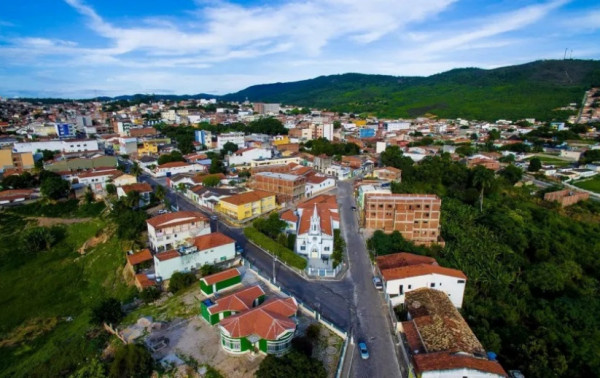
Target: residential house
<point>236,138</point>
<point>22,161</point>
<point>96,179</point>
<point>246,155</point>
<point>124,179</point>
<point>316,184</point>
<point>216,282</point>
<point>213,311</point>
<point>245,206</point>
<point>166,231</point>
<point>175,167</point>
<point>404,272</point>
<point>266,328</point>
<point>143,188</point>
<point>209,197</point>
<point>440,342</point>
<point>12,196</point>
<point>207,249</point>
<point>388,173</point>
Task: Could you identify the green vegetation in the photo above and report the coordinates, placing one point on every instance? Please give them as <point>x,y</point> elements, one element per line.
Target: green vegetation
<point>323,146</point>
<point>516,92</point>
<point>107,311</point>
<point>339,244</point>
<point>63,209</point>
<point>284,254</point>
<point>532,268</point>
<point>550,160</point>
<point>169,158</point>
<point>592,184</point>
<point>180,281</point>
<point>131,361</point>
<point>297,363</point>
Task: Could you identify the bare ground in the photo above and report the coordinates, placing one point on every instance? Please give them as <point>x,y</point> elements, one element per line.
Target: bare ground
<point>46,222</point>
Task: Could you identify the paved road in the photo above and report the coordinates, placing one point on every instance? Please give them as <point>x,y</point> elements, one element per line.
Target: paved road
<point>370,322</point>
<point>353,304</point>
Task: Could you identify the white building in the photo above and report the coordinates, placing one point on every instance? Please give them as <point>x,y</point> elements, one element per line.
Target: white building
<point>234,137</point>
<point>96,180</point>
<point>166,231</point>
<point>175,167</point>
<point>69,145</point>
<point>339,172</point>
<point>246,155</point>
<point>316,184</point>
<point>128,146</point>
<point>326,131</point>
<point>203,250</point>
<point>397,126</point>
<point>317,218</point>
<point>404,272</point>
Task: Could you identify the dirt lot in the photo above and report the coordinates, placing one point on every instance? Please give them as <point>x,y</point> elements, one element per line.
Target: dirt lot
<point>46,222</point>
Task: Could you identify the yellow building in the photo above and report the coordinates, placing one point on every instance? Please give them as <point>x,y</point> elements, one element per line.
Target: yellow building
<point>247,205</point>
<point>16,160</point>
<point>150,147</point>
<point>280,139</point>
<point>359,122</point>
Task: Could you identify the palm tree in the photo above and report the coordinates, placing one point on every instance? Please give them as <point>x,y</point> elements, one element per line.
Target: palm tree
<point>136,170</point>
<point>160,192</point>
<point>483,179</point>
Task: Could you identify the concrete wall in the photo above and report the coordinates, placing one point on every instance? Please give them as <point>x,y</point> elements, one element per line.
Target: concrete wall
<point>447,284</point>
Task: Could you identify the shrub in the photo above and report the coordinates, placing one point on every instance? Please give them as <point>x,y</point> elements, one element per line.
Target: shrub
<point>180,281</point>
<point>150,294</point>
<point>284,254</point>
<point>131,361</point>
<point>109,311</point>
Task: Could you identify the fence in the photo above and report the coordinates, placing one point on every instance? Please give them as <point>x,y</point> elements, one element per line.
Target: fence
<point>324,272</point>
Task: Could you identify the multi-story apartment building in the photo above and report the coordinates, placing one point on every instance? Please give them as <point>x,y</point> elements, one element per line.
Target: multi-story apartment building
<point>167,231</point>
<point>244,206</point>
<point>14,160</point>
<point>69,145</point>
<point>285,186</point>
<point>235,138</point>
<point>262,108</point>
<point>416,216</point>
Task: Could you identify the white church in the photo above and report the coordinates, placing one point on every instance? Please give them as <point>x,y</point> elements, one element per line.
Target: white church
<point>314,222</point>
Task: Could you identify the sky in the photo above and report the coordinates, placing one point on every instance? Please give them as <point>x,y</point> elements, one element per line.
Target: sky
<point>90,48</point>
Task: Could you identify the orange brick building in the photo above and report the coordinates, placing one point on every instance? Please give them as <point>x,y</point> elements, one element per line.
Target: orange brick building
<point>287,187</point>
<point>566,197</point>
<point>415,216</point>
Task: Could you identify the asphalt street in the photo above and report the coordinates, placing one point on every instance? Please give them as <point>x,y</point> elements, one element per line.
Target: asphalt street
<point>352,303</point>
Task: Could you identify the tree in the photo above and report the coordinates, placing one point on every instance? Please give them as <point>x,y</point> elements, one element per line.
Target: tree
<point>272,226</point>
<point>211,181</point>
<point>483,179</point>
<point>111,189</point>
<point>474,136</point>
<point>295,364</point>
<point>38,239</point>
<point>107,311</point>
<point>216,165</point>
<point>535,164</point>
<point>132,199</point>
<point>90,369</point>
<point>136,170</point>
<point>393,157</point>
<point>493,134</point>
<point>169,158</point>
<point>131,361</point>
<point>337,125</point>
<point>150,294</point>
<point>512,173</point>
<point>54,187</point>
<point>229,147</point>
<point>160,192</point>
<point>180,281</point>
<point>89,195</point>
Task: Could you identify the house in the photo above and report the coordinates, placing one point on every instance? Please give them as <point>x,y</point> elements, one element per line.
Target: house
<point>404,272</point>
<point>175,167</point>
<point>236,138</point>
<point>266,328</point>
<point>317,218</point>
<point>213,311</point>
<point>209,197</point>
<point>244,206</point>
<point>136,264</point>
<point>166,231</point>
<point>202,250</point>
<point>11,196</point>
<point>246,155</point>
<point>96,179</point>
<point>143,188</point>
<point>440,342</point>
<point>339,172</point>
<point>124,179</point>
<point>214,283</point>
<point>388,173</point>
<point>317,183</point>
<point>12,160</point>
<point>287,187</point>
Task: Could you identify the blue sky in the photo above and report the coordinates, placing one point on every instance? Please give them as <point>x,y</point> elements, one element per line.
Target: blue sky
<point>88,48</point>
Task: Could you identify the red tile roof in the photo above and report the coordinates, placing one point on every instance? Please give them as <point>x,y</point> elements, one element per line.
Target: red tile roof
<point>175,219</point>
<point>111,172</point>
<point>289,216</point>
<point>238,301</point>
<point>16,193</point>
<point>420,270</point>
<point>396,260</point>
<point>212,240</point>
<point>247,197</point>
<point>446,361</point>
<point>167,255</point>
<point>173,164</point>
<point>268,321</point>
<point>143,280</point>
<point>139,257</point>
<point>142,187</point>
<point>221,276</point>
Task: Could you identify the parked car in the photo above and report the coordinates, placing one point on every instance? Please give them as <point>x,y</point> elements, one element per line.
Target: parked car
<point>214,217</point>
<point>378,283</point>
<point>353,208</point>
<point>364,352</point>
<point>162,212</point>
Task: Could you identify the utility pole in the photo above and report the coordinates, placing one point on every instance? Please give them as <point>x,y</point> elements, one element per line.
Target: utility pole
<point>274,278</point>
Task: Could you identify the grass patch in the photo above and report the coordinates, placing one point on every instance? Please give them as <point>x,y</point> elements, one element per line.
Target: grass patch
<point>167,309</point>
<point>592,184</point>
<point>63,209</point>
<point>284,254</point>
<point>548,160</point>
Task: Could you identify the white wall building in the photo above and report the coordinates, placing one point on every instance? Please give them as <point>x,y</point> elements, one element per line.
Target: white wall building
<point>175,167</point>
<point>69,145</point>
<point>204,250</point>
<point>317,219</point>
<point>246,155</point>
<point>397,126</point>
<point>316,184</point>
<point>234,137</point>
<point>166,231</point>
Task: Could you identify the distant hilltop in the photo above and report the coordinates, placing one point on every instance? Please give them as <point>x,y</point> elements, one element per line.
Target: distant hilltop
<point>532,90</point>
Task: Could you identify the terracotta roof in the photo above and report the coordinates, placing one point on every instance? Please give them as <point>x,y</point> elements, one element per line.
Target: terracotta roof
<point>143,280</point>
<point>174,164</point>
<point>420,270</point>
<point>238,301</point>
<point>267,321</point>
<point>324,217</point>
<point>111,172</point>
<point>391,169</point>
<point>16,193</point>
<point>212,240</point>
<point>221,276</point>
<point>323,198</point>
<point>289,216</point>
<point>167,255</point>
<point>139,257</point>
<point>240,152</point>
<point>141,187</point>
<point>396,260</point>
<point>247,197</point>
<point>175,219</point>
<point>316,179</point>
<point>447,361</point>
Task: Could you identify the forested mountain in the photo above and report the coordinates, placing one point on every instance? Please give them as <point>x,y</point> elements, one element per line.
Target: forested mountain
<point>513,92</point>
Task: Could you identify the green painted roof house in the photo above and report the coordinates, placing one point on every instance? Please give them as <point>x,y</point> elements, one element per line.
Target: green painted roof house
<point>243,300</point>
<point>219,281</point>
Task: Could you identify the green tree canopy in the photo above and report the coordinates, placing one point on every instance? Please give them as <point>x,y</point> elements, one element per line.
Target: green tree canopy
<point>131,361</point>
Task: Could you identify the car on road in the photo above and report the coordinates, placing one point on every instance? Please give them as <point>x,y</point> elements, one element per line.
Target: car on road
<point>162,212</point>
<point>364,352</point>
<point>214,217</point>
<point>353,208</point>
<point>378,283</point>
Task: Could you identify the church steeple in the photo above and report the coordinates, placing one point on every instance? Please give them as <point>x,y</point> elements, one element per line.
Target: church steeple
<point>315,222</point>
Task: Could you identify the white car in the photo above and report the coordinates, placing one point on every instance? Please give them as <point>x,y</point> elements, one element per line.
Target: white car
<point>378,283</point>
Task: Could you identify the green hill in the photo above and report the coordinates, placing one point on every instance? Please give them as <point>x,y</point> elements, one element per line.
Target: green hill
<point>513,92</point>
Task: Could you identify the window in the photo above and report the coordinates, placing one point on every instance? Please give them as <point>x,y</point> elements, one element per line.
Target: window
<point>461,281</point>
<point>401,289</point>
<point>409,287</point>
<point>432,285</point>
<point>303,248</point>
<point>326,249</point>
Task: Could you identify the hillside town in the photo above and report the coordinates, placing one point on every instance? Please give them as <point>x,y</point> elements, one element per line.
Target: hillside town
<point>275,214</point>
